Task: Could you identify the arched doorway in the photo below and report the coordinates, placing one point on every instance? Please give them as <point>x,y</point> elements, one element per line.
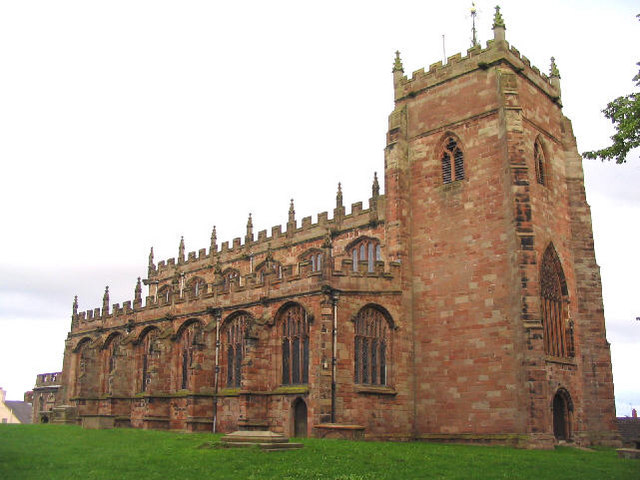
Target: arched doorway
<point>299,418</point>
<point>562,409</point>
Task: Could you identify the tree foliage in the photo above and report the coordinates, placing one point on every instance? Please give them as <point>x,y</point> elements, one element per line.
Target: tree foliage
<point>624,113</point>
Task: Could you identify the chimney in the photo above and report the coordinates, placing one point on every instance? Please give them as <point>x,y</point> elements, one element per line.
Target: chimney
<point>634,413</point>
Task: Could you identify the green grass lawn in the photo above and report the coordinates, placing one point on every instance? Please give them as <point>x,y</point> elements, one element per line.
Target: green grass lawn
<point>69,452</point>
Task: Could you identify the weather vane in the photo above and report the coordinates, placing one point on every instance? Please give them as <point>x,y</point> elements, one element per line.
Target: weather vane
<point>474,40</point>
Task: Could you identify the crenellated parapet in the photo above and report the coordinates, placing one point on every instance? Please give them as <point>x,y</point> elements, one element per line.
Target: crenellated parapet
<point>497,51</point>
<point>275,264</point>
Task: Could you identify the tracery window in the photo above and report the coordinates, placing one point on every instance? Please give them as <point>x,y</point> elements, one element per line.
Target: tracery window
<point>366,250</point>
<point>150,352</point>
<point>371,347</point>
<point>234,342</point>
<point>540,163</point>
<point>452,153</point>
<point>190,339</point>
<point>295,345</point>
<point>556,326</point>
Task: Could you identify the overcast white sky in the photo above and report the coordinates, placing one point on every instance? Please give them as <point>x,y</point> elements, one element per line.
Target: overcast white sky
<point>125,124</point>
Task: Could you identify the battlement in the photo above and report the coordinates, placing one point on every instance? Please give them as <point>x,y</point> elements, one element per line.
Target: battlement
<point>48,379</point>
<point>291,235</point>
<point>496,51</point>
<point>291,272</point>
<point>252,286</point>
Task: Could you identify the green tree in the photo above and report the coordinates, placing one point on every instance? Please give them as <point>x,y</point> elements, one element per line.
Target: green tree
<point>624,113</point>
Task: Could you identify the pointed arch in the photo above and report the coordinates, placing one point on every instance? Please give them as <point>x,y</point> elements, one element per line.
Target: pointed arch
<point>293,320</point>
<point>364,249</point>
<point>539,159</point>
<point>234,333</point>
<point>452,158</point>
<point>562,414</point>
<point>315,258</point>
<point>372,342</point>
<point>188,341</point>
<point>556,325</point>
<point>196,286</point>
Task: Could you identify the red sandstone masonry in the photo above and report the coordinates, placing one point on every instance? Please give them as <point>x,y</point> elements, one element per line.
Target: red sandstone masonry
<point>459,277</point>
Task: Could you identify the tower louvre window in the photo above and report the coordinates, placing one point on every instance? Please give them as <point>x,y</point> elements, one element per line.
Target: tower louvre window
<point>452,161</point>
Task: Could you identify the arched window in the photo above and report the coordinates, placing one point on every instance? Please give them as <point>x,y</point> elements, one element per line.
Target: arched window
<point>164,295</point>
<point>234,340</point>
<point>196,287</point>
<point>149,353</point>
<point>230,276</point>
<point>83,367</point>
<point>190,339</point>
<point>371,347</point>
<point>365,250</point>
<point>540,163</point>
<point>269,267</point>
<point>295,345</point>
<point>556,326</point>
<point>452,161</point>
<point>112,354</point>
<point>314,257</point>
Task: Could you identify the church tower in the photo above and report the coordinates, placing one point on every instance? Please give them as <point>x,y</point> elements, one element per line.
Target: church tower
<point>486,211</point>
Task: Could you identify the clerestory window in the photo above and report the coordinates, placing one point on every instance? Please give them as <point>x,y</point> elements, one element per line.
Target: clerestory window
<point>365,250</point>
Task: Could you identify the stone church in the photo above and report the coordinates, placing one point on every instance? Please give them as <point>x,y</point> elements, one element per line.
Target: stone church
<point>463,303</point>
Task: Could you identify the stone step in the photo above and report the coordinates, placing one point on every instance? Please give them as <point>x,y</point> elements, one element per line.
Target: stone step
<point>278,447</point>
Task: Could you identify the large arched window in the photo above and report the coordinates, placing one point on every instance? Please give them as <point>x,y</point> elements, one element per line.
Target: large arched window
<point>84,367</point>
<point>190,340</point>
<point>233,349</point>
<point>452,160</point>
<point>149,352</point>
<point>295,345</point>
<point>365,250</point>
<point>371,347</point>
<point>540,163</point>
<point>557,328</point>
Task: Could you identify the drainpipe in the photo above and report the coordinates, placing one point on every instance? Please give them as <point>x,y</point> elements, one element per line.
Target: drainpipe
<point>217,313</point>
<point>334,354</point>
